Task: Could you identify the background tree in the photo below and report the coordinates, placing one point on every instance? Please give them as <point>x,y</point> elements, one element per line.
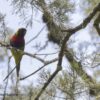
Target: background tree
<point>73,59</point>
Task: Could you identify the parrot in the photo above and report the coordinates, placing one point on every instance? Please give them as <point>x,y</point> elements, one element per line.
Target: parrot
<point>17,41</point>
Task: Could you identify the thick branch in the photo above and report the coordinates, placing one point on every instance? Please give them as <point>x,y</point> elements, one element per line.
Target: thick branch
<point>78,68</point>
<point>59,67</point>
<point>96,24</point>
<point>85,21</point>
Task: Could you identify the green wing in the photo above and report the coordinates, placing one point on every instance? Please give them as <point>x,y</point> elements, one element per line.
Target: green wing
<point>18,57</point>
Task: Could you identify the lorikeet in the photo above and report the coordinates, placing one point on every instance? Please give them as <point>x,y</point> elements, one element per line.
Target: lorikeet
<point>17,41</point>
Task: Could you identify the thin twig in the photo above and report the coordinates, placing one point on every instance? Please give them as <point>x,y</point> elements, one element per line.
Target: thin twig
<point>9,73</point>
<point>58,97</point>
<point>36,35</point>
<point>8,94</point>
<point>48,62</point>
<point>47,53</point>
<point>4,96</point>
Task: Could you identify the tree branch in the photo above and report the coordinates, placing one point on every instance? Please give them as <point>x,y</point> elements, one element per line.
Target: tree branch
<point>59,67</point>
<point>48,62</point>
<point>24,53</point>
<point>96,24</point>
<point>85,21</point>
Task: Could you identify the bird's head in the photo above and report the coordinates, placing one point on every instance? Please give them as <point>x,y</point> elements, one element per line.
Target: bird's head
<point>21,32</point>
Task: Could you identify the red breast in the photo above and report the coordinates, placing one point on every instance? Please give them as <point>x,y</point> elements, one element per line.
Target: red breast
<point>16,41</point>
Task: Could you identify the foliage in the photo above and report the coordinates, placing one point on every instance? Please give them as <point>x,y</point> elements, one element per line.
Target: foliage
<point>72,54</point>
<point>88,5</point>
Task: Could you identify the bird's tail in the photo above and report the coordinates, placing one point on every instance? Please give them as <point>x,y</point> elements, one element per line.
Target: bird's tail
<point>17,69</point>
<point>18,78</point>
